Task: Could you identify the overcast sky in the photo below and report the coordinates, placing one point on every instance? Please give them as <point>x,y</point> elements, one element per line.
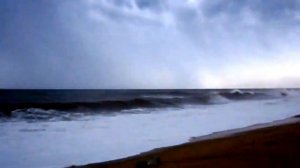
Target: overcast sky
<point>149,43</point>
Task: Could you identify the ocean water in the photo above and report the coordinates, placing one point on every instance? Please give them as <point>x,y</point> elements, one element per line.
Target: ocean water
<point>58,128</point>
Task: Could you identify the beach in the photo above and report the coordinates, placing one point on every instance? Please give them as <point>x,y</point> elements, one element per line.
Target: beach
<point>274,144</point>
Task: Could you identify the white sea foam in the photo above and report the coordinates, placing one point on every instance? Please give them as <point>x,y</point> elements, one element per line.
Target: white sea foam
<point>102,137</point>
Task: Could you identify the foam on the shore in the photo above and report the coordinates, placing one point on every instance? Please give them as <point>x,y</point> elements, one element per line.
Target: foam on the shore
<point>272,144</point>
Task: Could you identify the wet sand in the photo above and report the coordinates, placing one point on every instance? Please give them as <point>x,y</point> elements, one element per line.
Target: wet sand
<point>275,144</point>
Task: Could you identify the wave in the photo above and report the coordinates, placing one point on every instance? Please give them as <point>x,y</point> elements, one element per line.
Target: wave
<point>36,114</point>
<point>42,110</point>
<point>108,105</point>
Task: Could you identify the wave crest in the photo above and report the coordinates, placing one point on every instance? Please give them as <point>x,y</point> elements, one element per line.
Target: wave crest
<point>45,111</point>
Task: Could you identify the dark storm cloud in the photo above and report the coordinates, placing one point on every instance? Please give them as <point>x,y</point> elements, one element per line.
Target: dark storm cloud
<point>148,43</point>
<point>29,26</point>
<point>23,18</point>
<point>36,46</point>
<point>154,4</point>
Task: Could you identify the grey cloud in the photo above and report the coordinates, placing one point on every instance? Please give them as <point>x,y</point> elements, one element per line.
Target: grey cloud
<point>123,11</point>
<point>267,11</point>
<point>58,44</point>
<point>240,23</point>
<point>122,3</point>
<point>141,4</point>
<point>39,50</point>
<point>153,4</point>
<point>274,12</point>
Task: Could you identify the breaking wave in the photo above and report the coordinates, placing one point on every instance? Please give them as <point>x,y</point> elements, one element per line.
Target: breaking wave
<point>66,110</point>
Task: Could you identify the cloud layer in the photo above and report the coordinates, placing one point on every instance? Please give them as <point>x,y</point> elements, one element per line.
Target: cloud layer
<point>149,44</point>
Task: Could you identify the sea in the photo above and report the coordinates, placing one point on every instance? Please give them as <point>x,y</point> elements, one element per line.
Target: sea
<point>60,128</point>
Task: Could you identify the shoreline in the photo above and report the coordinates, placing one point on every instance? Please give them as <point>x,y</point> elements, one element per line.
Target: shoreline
<point>273,144</point>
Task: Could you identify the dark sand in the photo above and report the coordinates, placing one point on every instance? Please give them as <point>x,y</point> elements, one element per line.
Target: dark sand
<point>275,144</point>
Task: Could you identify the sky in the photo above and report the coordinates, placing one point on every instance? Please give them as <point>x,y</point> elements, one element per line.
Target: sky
<point>149,44</point>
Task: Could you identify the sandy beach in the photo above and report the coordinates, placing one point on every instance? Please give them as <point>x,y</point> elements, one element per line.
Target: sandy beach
<point>273,144</point>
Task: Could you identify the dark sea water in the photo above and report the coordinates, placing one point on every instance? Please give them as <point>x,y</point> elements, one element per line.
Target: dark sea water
<point>44,104</point>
